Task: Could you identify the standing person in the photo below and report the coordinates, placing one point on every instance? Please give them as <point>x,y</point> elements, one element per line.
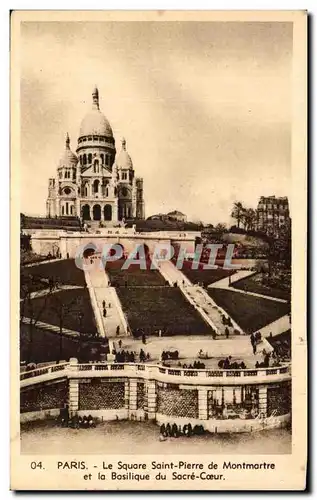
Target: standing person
<point>143,338</point>
<point>120,343</point>
<point>104,312</point>
<point>227,332</point>
<point>254,348</point>
<point>104,304</point>
<point>118,330</point>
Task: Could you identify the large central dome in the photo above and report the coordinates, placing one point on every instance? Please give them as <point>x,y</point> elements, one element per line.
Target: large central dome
<point>95,122</point>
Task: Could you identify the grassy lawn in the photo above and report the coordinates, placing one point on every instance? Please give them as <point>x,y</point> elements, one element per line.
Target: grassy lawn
<point>251,313</point>
<point>64,271</point>
<point>254,284</point>
<point>207,276</point>
<point>282,342</point>
<point>133,276</point>
<point>46,346</point>
<point>72,303</point>
<point>161,308</point>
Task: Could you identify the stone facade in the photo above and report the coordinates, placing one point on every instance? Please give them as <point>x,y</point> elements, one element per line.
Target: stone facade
<point>95,183</point>
<point>272,214</point>
<point>137,392</point>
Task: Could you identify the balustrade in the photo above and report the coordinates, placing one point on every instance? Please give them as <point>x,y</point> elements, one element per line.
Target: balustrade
<point>131,369</point>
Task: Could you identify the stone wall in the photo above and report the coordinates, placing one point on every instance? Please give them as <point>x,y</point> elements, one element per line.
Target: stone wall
<point>279,399</point>
<point>44,397</point>
<point>219,408</point>
<point>177,402</point>
<point>141,395</point>
<point>100,394</point>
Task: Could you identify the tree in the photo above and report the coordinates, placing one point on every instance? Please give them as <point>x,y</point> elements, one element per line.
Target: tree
<point>280,249</point>
<point>62,310</point>
<point>249,219</point>
<point>220,228</point>
<point>29,290</point>
<point>237,212</point>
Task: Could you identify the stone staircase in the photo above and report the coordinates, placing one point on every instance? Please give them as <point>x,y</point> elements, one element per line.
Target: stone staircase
<point>97,282</point>
<point>196,295</point>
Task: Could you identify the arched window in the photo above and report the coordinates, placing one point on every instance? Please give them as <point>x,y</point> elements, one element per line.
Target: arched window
<point>96,186</point>
<point>86,190</point>
<point>85,159</point>
<point>89,158</point>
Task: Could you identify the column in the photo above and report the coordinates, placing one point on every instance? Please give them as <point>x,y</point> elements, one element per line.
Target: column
<point>263,400</point>
<point>73,388</point>
<point>133,395</point>
<point>127,394</point>
<point>203,404</point>
<point>151,399</point>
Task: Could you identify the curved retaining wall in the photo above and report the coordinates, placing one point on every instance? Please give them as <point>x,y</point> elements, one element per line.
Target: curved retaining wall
<point>220,400</point>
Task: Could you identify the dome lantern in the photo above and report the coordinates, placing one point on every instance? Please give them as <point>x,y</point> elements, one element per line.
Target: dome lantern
<point>124,160</point>
<point>95,123</point>
<point>95,99</point>
<point>68,159</point>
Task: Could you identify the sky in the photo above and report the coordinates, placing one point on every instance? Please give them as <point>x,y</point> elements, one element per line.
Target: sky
<point>205,107</point>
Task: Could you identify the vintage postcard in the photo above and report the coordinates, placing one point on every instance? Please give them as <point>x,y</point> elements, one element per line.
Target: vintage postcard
<point>158,243</point>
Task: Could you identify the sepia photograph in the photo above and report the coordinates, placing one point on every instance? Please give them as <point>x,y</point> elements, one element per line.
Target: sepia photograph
<point>156,220</point>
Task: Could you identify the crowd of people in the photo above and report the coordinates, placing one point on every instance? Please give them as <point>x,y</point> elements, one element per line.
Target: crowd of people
<point>197,365</point>
<point>227,364</point>
<point>76,421</point>
<point>169,355</point>
<point>173,430</point>
<point>123,356</point>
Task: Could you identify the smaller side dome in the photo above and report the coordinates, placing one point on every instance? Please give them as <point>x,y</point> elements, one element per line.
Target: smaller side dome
<point>123,159</point>
<point>68,159</point>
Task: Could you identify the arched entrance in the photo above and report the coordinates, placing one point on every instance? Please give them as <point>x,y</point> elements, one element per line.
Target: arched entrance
<point>96,212</point>
<point>107,211</point>
<point>86,212</point>
<point>89,251</point>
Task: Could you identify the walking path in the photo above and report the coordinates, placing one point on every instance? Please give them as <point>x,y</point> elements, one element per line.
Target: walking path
<point>196,295</point>
<point>51,328</point>
<point>42,262</point>
<point>226,282</point>
<point>279,326</point>
<point>42,293</point>
<point>97,281</point>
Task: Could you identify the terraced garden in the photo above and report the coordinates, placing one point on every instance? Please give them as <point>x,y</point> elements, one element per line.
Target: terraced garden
<point>206,276</point>
<point>49,346</point>
<point>254,284</point>
<point>71,308</point>
<point>161,308</point>
<point>251,313</point>
<point>133,276</point>
<point>63,271</point>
